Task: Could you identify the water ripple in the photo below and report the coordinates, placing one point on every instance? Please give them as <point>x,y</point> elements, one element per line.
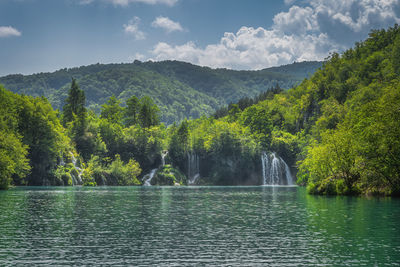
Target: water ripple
<point>186,226</point>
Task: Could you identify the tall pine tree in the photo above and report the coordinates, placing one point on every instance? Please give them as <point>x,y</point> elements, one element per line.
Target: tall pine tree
<point>74,118</point>
<point>74,107</point>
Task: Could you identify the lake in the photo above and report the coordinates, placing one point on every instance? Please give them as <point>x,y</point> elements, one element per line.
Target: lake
<point>177,226</point>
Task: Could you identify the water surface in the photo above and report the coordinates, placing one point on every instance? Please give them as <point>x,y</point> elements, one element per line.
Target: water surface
<point>176,226</point>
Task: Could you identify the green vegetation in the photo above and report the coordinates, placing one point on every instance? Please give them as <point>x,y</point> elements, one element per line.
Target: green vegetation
<point>168,175</point>
<point>180,90</point>
<point>339,129</point>
<point>31,140</point>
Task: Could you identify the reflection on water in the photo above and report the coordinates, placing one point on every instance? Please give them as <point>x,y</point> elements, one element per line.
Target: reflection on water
<point>280,226</point>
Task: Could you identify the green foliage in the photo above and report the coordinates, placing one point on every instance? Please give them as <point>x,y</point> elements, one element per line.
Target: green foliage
<point>144,145</point>
<point>132,111</point>
<point>124,174</point>
<point>226,152</point>
<point>115,172</point>
<point>341,126</point>
<point>351,107</point>
<point>91,142</point>
<point>74,117</point>
<point>74,104</point>
<point>112,111</point>
<point>95,173</point>
<point>13,161</point>
<point>62,176</point>
<point>148,113</point>
<point>181,90</point>
<point>31,132</point>
<point>168,175</point>
<point>179,144</point>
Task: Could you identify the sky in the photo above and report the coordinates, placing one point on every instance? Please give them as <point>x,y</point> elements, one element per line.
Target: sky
<point>46,35</point>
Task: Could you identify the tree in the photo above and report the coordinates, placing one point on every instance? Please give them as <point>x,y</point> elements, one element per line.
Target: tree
<point>13,161</point>
<point>75,117</point>
<point>132,111</point>
<point>179,145</point>
<point>74,104</point>
<point>112,111</point>
<point>148,113</point>
<point>42,131</point>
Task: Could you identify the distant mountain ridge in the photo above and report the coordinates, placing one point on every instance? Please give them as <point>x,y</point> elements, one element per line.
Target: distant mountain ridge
<point>180,89</point>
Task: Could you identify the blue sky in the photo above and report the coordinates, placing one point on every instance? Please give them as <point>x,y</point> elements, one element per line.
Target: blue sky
<point>46,35</point>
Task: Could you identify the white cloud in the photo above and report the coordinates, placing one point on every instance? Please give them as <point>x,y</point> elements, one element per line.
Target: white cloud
<point>127,2</point>
<point>85,2</point>
<point>139,56</point>
<point>167,24</point>
<point>132,28</point>
<point>344,21</point>
<point>289,2</point>
<point>307,32</point>
<point>8,31</point>
<point>297,19</point>
<point>249,48</point>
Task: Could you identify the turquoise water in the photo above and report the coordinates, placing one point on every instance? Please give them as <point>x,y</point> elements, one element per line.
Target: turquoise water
<point>178,226</point>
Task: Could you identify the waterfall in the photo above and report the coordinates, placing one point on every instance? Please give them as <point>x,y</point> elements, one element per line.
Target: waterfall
<point>163,155</point>
<point>149,176</point>
<point>73,178</point>
<point>193,167</point>
<point>275,170</point>
<point>76,180</point>
<point>289,177</point>
<point>195,178</point>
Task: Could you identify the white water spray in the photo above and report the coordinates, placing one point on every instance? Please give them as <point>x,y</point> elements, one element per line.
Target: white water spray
<point>163,155</point>
<point>275,170</point>
<point>149,177</point>
<point>193,168</point>
<point>76,180</point>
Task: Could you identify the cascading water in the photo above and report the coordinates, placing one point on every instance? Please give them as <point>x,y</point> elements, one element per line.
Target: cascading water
<point>76,180</point>
<point>289,177</point>
<point>149,176</point>
<point>193,168</point>
<point>195,178</point>
<point>163,155</point>
<point>275,170</point>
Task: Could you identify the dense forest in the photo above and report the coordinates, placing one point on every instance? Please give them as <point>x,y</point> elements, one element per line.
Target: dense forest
<point>181,90</point>
<point>338,130</point>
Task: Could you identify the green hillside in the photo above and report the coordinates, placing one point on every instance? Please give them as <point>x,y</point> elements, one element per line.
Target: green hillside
<point>339,129</point>
<point>181,90</point>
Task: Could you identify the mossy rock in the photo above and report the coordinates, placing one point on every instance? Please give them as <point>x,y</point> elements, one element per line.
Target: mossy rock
<point>168,175</point>
<point>67,179</point>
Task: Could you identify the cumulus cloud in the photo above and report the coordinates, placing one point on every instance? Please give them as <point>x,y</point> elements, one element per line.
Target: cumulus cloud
<point>296,20</point>
<point>249,48</point>
<point>344,21</point>
<point>127,2</point>
<point>309,31</point>
<point>8,31</point>
<point>132,28</point>
<point>167,24</point>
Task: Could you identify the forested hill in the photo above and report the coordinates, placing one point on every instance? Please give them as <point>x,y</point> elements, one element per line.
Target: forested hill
<point>340,127</point>
<point>338,130</point>
<point>179,89</point>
